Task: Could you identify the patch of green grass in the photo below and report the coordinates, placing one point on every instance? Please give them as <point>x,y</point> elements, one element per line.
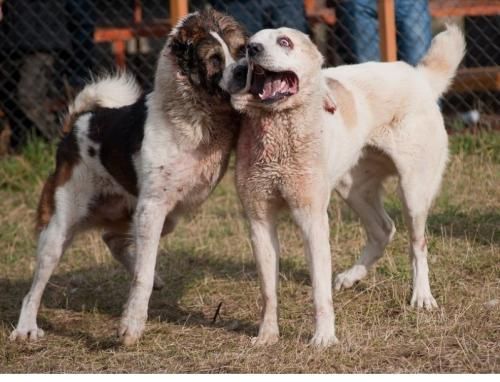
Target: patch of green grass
<point>24,171</point>
<point>208,261</point>
<point>484,143</point>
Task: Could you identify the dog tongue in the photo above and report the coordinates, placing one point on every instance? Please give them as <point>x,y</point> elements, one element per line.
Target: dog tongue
<point>274,84</point>
<point>270,86</point>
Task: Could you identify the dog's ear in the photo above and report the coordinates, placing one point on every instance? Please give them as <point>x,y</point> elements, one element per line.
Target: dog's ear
<point>183,41</point>
<point>182,50</point>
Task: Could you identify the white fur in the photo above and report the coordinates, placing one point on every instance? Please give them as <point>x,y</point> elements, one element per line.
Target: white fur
<point>110,91</point>
<point>441,61</point>
<point>397,130</point>
<point>228,59</point>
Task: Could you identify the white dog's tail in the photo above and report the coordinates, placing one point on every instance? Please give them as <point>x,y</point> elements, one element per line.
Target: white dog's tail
<point>110,91</point>
<point>441,61</point>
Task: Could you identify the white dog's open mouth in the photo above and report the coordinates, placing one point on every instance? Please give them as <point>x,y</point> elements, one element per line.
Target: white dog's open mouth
<point>270,86</point>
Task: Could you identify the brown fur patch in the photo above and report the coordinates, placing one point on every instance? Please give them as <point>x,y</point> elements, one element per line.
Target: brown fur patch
<point>67,158</point>
<point>199,55</point>
<point>69,122</point>
<point>344,101</point>
<point>110,212</point>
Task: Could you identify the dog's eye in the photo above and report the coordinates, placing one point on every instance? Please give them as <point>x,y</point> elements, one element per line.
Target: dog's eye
<point>215,60</point>
<point>285,42</point>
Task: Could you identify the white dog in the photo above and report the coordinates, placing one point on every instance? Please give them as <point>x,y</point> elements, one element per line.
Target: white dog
<point>307,131</point>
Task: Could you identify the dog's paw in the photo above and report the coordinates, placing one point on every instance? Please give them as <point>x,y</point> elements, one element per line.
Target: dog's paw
<point>130,332</point>
<point>347,278</point>
<point>423,300</point>
<point>31,334</point>
<point>323,340</point>
<point>266,337</point>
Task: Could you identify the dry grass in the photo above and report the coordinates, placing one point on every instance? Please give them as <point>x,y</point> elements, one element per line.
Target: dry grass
<point>209,261</point>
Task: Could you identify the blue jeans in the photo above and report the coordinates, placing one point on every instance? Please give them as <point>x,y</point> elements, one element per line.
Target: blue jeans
<point>358,27</point>
<point>259,14</point>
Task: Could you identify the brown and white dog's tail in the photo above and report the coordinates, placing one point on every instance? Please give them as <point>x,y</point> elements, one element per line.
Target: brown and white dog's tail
<point>109,91</point>
<point>440,63</point>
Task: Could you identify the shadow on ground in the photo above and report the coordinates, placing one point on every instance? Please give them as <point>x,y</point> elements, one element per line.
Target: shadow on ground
<point>104,290</point>
<point>476,226</point>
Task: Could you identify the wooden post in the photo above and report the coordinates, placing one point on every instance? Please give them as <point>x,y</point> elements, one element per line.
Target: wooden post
<point>310,6</point>
<point>387,30</point>
<point>120,53</point>
<point>137,12</point>
<point>178,9</point>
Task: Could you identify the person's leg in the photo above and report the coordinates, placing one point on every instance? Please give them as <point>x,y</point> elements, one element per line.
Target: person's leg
<point>413,23</point>
<point>358,31</point>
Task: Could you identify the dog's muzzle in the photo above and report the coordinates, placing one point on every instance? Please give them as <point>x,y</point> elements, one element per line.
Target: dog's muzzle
<point>240,76</point>
<point>236,77</point>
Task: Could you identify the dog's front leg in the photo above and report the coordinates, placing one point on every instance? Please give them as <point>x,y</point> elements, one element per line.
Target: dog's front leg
<point>266,251</point>
<point>152,208</point>
<point>313,223</point>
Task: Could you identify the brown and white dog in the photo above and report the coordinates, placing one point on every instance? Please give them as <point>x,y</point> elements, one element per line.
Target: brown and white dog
<point>132,164</point>
<point>307,131</point>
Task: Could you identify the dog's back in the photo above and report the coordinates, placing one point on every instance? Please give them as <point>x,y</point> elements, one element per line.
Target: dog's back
<point>391,90</point>
<point>80,148</point>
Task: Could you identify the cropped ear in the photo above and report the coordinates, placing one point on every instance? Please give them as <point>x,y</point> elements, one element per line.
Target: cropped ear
<point>314,52</point>
<point>180,42</point>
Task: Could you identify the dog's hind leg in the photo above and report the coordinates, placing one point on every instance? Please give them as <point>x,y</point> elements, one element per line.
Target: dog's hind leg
<point>420,177</point>
<point>51,245</point>
<point>54,237</point>
<point>362,190</point>
<point>417,198</point>
<point>120,246</point>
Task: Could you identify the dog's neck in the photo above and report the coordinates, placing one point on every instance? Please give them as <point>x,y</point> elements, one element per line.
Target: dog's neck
<point>195,118</point>
<point>285,135</point>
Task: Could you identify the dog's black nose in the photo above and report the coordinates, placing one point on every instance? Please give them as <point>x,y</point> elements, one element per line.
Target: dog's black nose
<point>240,73</point>
<point>254,48</point>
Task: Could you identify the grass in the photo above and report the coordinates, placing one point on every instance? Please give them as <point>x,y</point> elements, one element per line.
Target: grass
<point>208,260</point>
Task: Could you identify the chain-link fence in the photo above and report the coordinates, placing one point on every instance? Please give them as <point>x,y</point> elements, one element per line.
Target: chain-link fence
<point>48,48</point>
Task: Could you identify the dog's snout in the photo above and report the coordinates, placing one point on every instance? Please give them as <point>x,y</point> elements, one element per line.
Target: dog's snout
<point>254,48</point>
<point>240,73</point>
